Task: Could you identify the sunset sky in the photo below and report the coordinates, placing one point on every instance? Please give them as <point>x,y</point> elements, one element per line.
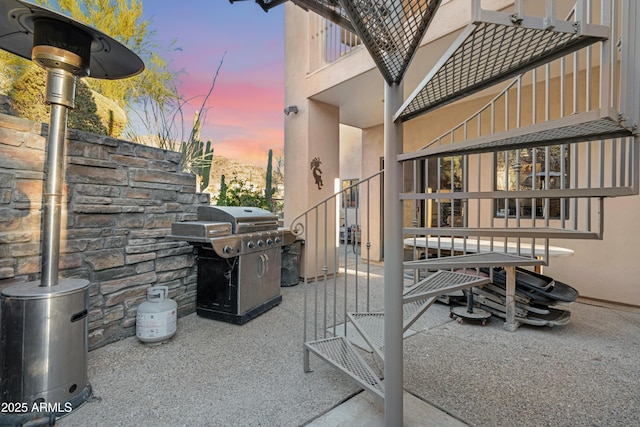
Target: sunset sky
<point>244,118</point>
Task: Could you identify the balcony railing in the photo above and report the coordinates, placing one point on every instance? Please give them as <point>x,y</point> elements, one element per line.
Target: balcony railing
<point>329,42</point>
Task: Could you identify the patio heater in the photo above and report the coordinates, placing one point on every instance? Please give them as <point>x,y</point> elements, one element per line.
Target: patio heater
<point>43,325</point>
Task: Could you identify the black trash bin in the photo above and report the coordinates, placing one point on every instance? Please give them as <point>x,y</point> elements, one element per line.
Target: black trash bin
<point>290,271</point>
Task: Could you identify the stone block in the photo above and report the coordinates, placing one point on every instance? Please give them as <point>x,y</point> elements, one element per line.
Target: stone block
<point>97,190</point>
<point>137,193</point>
<point>172,275</point>
<point>115,242</point>
<point>19,250</point>
<point>68,261</point>
<point>130,161</point>
<point>96,175</point>
<point>147,152</point>
<point>173,157</point>
<point>95,315</point>
<point>94,221</point>
<point>113,314</point>
<point>130,220</point>
<point>105,259</point>
<point>129,322</point>
<point>160,177</point>
<point>174,207</point>
<point>29,265</point>
<point>111,286</point>
<point>93,200</point>
<point>158,209</point>
<point>143,267</point>
<point>154,233</point>
<point>113,273</point>
<point>176,251</point>
<point>7,272</point>
<point>138,258</point>
<point>97,209</point>
<point>16,237</point>
<point>159,220</point>
<point>174,263</point>
<point>7,180</point>
<point>127,294</point>
<point>5,196</point>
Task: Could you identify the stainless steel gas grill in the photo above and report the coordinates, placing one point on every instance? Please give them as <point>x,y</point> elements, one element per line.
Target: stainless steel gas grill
<point>238,261</point>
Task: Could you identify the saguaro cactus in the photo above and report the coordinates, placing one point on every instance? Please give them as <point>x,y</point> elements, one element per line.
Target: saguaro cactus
<point>268,191</point>
<point>222,198</point>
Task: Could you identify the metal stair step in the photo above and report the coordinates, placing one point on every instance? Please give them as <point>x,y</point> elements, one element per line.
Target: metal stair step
<point>491,49</point>
<point>442,282</point>
<point>587,126</point>
<point>537,232</point>
<point>483,259</point>
<point>339,353</point>
<point>371,325</point>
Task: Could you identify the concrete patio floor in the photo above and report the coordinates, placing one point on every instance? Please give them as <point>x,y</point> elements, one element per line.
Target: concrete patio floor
<point>217,374</point>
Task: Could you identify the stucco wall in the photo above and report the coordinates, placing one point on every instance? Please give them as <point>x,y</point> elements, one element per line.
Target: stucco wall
<point>591,270</point>
<point>121,200</point>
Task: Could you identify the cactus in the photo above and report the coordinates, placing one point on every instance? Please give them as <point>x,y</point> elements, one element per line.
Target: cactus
<point>222,198</point>
<point>268,191</point>
<point>196,156</point>
<point>204,166</point>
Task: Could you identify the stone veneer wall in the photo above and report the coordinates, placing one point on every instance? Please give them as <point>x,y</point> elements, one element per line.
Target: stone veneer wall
<point>121,200</point>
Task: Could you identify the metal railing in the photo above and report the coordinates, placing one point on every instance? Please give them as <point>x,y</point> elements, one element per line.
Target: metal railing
<point>536,192</point>
<point>337,263</point>
<point>329,42</point>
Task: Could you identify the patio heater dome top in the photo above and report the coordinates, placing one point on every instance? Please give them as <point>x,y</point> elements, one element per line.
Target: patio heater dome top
<point>81,49</point>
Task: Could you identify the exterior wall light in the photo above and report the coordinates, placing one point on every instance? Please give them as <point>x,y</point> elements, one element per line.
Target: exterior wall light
<point>291,109</point>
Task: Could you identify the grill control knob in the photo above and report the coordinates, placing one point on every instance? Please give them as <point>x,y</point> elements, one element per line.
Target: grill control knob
<point>227,249</point>
<point>269,242</point>
<point>260,243</point>
<point>251,245</point>
<point>277,240</point>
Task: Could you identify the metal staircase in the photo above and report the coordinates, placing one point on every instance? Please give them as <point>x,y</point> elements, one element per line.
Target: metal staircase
<point>558,140</point>
<point>340,353</point>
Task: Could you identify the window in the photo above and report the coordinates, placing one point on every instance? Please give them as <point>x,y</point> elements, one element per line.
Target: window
<point>350,194</point>
<point>528,169</point>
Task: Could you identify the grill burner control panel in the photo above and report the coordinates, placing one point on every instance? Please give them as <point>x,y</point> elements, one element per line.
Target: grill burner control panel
<point>234,245</point>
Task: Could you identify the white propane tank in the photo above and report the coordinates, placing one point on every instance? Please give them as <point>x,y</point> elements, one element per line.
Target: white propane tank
<point>156,320</point>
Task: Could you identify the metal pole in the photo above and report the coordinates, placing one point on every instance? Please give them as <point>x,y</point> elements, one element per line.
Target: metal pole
<point>60,94</point>
<point>393,277</point>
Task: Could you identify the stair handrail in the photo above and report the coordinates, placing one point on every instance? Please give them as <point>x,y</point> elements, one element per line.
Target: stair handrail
<point>297,227</point>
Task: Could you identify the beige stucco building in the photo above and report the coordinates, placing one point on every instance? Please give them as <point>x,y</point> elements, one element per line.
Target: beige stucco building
<point>338,92</point>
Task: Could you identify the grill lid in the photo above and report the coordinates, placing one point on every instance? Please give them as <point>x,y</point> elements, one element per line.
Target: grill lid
<point>242,219</point>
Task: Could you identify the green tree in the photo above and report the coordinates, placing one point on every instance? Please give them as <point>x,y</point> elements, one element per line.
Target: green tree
<point>122,20</point>
<point>28,99</point>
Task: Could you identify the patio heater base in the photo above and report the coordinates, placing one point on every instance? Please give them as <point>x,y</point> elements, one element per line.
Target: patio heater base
<point>43,346</point>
